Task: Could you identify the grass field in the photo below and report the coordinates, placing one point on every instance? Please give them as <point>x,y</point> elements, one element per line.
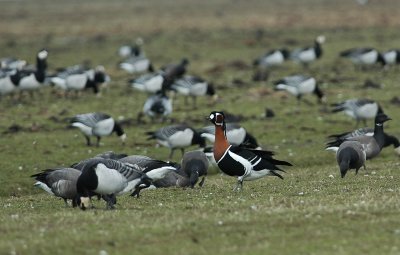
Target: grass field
<point>311,211</point>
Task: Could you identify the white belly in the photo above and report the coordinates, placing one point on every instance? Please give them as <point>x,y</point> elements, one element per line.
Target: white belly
<point>104,127</point>
<point>29,83</point>
<point>307,86</point>
<point>6,86</point>
<point>181,139</point>
<point>76,81</point>
<point>307,56</point>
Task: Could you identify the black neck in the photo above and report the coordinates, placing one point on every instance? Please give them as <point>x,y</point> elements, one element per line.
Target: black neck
<point>391,140</point>
<point>118,129</point>
<point>379,134</point>
<point>318,92</point>
<point>41,66</point>
<point>318,49</point>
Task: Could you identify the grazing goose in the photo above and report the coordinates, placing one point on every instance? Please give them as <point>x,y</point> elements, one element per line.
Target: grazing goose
<point>235,134</point>
<point>60,182</point>
<point>150,83</point>
<point>107,177</point>
<point>391,57</point>
<point>155,170</point>
<point>308,54</point>
<point>359,109</point>
<point>299,85</point>
<point>194,86</point>
<point>157,106</point>
<point>77,79</point>
<point>177,137</point>
<point>30,80</point>
<point>97,124</point>
<point>272,58</point>
<point>195,165</point>
<point>350,155</point>
<point>136,65</point>
<point>363,56</point>
<point>372,145</point>
<point>246,164</point>
<point>389,139</point>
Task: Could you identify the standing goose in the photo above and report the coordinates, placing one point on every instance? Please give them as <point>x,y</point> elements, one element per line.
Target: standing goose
<point>299,85</point>
<point>192,86</point>
<point>363,56</point>
<point>30,80</point>
<point>372,145</point>
<point>246,164</point>
<point>308,54</point>
<point>235,134</point>
<point>272,58</point>
<point>177,137</point>
<point>60,182</point>
<point>389,139</point>
<point>350,155</point>
<point>79,80</point>
<point>359,109</point>
<point>107,177</point>
<point>97,124</point>
<point>157,106</point>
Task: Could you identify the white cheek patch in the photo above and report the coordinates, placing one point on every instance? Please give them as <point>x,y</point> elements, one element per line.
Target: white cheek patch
<point>42,54</point>
<point>212,116</point>
<point>85,201</point>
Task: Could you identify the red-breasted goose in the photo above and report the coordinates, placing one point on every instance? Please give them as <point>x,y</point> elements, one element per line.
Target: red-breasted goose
<point>246,164</point>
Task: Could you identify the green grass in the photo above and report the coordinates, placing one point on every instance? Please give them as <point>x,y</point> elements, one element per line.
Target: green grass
<point>312,211</point>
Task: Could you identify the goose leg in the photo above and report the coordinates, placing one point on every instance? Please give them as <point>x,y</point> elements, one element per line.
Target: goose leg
<point>171,153</point>
<point>201,183</point>
<point>87,140</point>
<point>239,185</point>
<point>183,151</point>
<point>66,202</point>
<point>98,141</point>
<point>111,201</point>
<point>194,102</point>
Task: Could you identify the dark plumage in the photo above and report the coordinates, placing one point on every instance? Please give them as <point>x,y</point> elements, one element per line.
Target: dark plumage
<point>350,155</point>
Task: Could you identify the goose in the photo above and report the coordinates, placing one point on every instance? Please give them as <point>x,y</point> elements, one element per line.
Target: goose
<point>9,80</point>
<point>194,165</point>
<point>272,58</point>
<point>12,63</point>
<point>31,80</point>
<point>247,164</point>
<point>194,86</point>
<point>177,137</point>
<point>391,57</point>
<point>157,106</point>
<point>173,71</point>
<point>77,79</point>
<point>109,178</point>
<point>155,170</point>
<point>136,65</point>
<point>299,85</point>
<point>350,155</point>
<point>132,50</point>
<point>97,124</point>
<point>308,54</point>
<point>359,109</point>
<point>363,56</point>
<point>150,83</point>
<point>60,182</point>
<point>235,133</point>
<point>372,145</point>
<point>389,139</point>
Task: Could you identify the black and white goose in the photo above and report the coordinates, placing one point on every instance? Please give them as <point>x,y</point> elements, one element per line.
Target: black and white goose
<point>299,85</point>
<point>105,155</point>
<point>363,56</point>
<point>108,178</point>
<point>246,164</point>
<point>358,109</point>
<point>192,86</point>
<point>31,80</point>
<point>150,83</point>
<point>135,50</point>
<point>389,139</point>
<point>177,137</point>
<point>272,58</point>
<point>309,54</point>
<point>136,65</point>
<point>154,169</point>
<point>157,106</point>
<point>372,145</point>
<point>391,57</point>
<point>235,133</point>
<point>77,79</point>
<point>60,182</point>
<point>97,124</point>
<point>350,155</point>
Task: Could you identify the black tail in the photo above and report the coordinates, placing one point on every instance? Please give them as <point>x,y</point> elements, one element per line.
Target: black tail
<point>151,135</point>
